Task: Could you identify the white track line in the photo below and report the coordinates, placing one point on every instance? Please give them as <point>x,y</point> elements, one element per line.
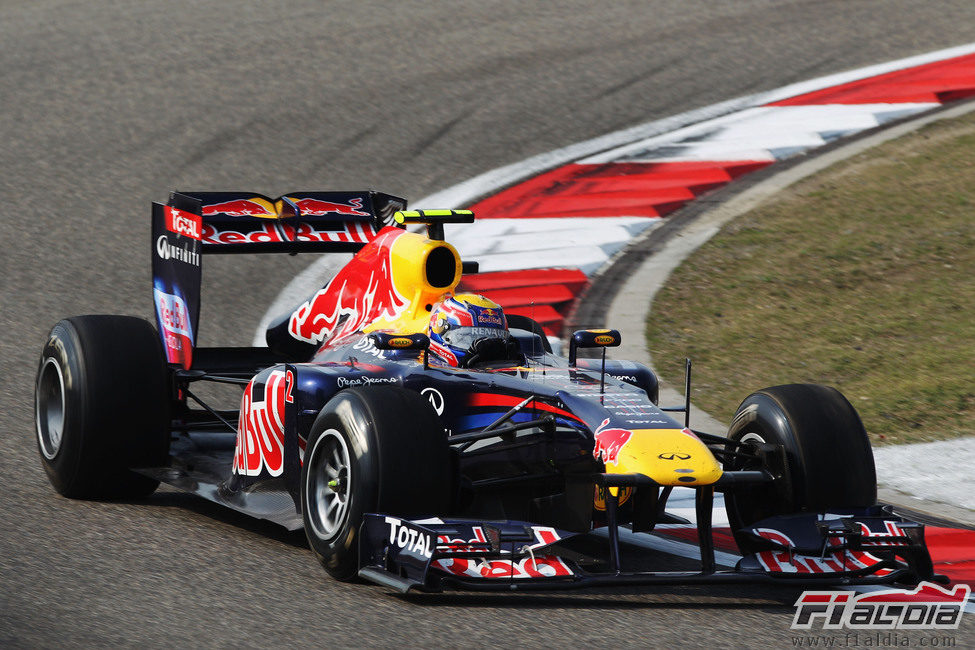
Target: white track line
<point>467,191</point>
<point>761,133</point>
<point>310,280</point>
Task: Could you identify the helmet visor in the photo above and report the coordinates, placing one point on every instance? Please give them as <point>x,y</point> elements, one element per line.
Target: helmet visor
<point>464,337</point>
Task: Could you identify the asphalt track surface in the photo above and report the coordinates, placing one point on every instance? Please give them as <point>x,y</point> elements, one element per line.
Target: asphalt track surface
<point>107,105</point>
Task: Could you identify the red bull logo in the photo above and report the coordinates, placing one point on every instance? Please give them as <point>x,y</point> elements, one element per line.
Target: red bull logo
<point>174,317</point>
<point>489,316</point>
<point>317,208</point>
<point>537,566</point>
<point>255,207</point>
<point>462,545</point>
<point>599,497</point>
<point>834,559</point>
<point>276,232</point>
<point>267,232</point>
<point>260,429</point>
<point>609,443</point>
<point>362,292</point>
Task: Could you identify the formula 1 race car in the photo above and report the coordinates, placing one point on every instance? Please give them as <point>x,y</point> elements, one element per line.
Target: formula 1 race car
<point>423,438</point>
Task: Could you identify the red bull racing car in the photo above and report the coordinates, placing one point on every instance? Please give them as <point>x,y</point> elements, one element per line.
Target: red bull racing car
<point>423,438</point>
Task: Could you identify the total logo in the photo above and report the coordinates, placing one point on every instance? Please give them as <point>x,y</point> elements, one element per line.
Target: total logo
<point>409,538</point>
<point>183,223</point>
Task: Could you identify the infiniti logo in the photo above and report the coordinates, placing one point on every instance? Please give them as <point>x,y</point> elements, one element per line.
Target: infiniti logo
<point>165,250</point>
<point>674,456</point>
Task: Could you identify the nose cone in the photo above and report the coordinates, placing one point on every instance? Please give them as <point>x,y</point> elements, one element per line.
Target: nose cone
<point>668,456</point>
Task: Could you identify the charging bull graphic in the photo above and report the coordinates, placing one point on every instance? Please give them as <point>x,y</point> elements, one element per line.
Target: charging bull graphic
<point>350,301</point>
<point>315,207</point>
<point>275,221</point>
<point>255,207</point>
<point>262,207</point>
<point>609,443</point>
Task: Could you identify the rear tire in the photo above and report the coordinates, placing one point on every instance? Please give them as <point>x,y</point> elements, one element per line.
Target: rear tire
<point>378,449</point>
<point>101,406</point>
<point>828,458</point>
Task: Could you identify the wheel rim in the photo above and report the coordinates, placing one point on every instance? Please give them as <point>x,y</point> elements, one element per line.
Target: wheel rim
<point>328,486</point>
<point>49,413</point>
<point>748,504</point>
<point>752,437</point>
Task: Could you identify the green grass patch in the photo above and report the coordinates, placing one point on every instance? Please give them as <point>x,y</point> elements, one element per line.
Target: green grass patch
<point>861,277</point>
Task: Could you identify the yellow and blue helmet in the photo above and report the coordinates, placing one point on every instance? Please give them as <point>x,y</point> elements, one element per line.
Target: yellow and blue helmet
<point>460,321</point>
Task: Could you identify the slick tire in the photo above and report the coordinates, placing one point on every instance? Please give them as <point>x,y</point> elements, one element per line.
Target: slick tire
<point>101,407</point>
<point>828,460</point>
<point>378,449</point>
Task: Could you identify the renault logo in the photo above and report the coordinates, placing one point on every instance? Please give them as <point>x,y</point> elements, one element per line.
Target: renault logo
<point>673,456</point>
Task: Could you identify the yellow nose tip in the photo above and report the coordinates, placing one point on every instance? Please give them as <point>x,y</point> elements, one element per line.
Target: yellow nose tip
<point>668,456</point>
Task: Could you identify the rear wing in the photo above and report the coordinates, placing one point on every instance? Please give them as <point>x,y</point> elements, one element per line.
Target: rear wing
<point>323,222</point>
<point>192,224</point>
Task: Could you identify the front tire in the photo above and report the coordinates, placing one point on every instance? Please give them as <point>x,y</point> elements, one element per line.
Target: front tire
<point>101,406</point>
<point>375,449</point>
<point>827,460</point>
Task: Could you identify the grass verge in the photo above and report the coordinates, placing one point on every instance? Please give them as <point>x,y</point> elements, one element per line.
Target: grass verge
<point>861,277</point>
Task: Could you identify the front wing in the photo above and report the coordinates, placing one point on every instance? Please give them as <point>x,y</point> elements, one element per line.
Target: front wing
<point>871,546</point>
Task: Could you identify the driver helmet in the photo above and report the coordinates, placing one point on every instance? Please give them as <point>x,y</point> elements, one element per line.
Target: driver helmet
<point>460,320</point>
